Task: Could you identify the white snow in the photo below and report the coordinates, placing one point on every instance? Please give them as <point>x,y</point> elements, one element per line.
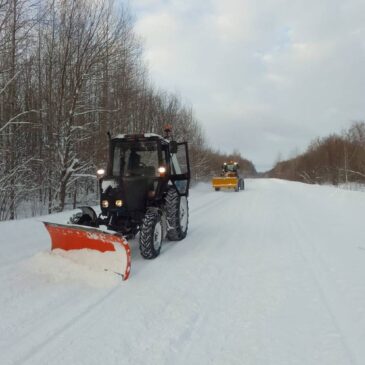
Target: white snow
<point>85,266</point>
<point>270,275</point>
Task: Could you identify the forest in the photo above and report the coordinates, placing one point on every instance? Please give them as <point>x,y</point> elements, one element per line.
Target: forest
<point>71,71</point>
<point>335,159</point>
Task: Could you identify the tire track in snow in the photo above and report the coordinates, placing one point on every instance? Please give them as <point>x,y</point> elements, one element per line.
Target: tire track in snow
<point>45,315</point>
<point>77,317</point>
<point>196,323</point>
<point>209,204</point>
<point>298,231</point>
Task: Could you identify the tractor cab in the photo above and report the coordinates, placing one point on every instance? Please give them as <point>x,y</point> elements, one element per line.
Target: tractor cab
<point>140,169</point>
<point>230,168</point>
<point>138,157</point>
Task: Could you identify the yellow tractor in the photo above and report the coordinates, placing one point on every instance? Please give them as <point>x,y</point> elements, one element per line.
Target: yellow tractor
<point>229,178</point>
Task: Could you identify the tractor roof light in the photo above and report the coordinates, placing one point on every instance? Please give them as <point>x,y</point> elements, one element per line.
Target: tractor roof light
<point>104,204</point>
<point>119,203</point>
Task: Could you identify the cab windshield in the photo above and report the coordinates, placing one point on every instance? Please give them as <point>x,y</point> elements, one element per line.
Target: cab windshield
<point>135,159</point>
<point>231,167</point>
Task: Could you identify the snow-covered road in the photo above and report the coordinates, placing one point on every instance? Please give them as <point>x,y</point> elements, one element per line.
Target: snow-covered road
<point>271,275</point>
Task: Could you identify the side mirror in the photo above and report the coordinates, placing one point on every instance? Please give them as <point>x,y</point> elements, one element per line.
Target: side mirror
<point>173,147</point>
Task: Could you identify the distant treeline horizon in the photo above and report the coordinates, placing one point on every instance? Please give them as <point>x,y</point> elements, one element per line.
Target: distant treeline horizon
<point>335,159</point>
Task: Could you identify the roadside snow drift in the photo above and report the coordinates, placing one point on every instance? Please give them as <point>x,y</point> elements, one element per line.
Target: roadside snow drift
<point>270,275</point>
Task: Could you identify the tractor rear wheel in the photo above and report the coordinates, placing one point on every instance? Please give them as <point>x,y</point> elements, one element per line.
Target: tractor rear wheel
<point>177,214</point>
<point>150,237</point>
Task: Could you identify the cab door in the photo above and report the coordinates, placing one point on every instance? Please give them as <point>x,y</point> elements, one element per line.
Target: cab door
<point>180,169</point>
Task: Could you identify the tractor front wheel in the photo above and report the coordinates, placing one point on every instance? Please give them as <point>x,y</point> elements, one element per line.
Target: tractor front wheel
<point>150,237</point>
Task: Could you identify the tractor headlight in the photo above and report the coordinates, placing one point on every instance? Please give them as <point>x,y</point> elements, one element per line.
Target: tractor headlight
<point>161,170</point>
<point>104,204</point>
<point>118,203</point>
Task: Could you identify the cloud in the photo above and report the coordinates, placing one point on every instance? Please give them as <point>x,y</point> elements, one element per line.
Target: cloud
<point>263,77</point>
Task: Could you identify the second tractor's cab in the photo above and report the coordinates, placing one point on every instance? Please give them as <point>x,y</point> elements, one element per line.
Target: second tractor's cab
<point>230,169</point>
<point>140,170</point>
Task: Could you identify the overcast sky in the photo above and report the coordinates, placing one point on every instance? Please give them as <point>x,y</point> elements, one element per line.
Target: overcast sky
<point>263,76</point>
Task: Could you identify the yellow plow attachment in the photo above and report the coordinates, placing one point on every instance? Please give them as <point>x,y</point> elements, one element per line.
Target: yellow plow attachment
<point>225,182</point>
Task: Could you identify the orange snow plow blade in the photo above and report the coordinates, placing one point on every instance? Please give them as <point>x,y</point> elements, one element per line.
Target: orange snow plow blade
<point>72,237</point>
<point>225,182</point>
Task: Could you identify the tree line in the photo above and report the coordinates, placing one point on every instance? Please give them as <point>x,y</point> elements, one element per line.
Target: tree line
<point>70,71</point>
<point>335,159</point>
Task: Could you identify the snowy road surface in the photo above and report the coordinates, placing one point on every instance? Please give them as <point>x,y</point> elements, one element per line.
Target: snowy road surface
<point>272,275</point>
